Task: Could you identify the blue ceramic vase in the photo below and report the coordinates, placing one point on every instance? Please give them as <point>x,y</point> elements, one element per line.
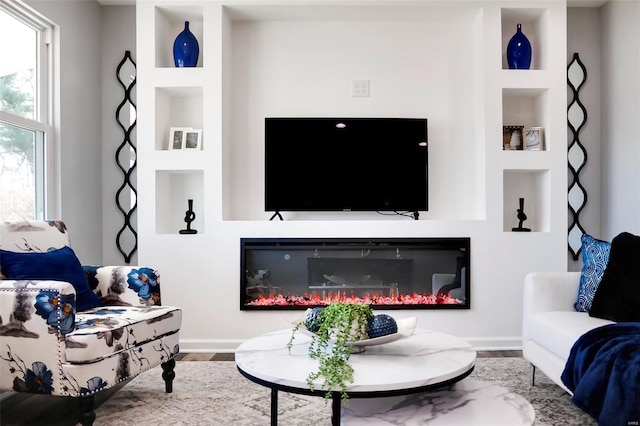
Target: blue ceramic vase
<point>186,48</point>
<point>519,51</point>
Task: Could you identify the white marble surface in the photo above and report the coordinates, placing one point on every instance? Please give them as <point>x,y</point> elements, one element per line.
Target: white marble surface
<point>468,402</point>
<point>424,358</point>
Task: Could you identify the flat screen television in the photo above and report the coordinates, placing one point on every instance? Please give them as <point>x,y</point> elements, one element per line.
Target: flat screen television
<point>346,164</point>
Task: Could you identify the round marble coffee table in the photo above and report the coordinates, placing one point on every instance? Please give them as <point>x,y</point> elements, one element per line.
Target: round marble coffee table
<point>467,402</point>
<point>421,362</point>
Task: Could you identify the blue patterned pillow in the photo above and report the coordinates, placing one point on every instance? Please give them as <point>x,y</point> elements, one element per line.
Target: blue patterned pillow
<point>595,256</point>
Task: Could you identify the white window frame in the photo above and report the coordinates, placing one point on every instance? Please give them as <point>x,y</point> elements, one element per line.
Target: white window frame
<point>47,186</point>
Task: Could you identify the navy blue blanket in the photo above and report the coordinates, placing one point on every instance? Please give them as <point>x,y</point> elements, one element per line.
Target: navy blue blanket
<point>603,372</point>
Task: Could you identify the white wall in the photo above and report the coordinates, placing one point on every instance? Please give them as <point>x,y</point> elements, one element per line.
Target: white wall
<point>86,97</point>
<point>79,140</point>
<point>118,35</point>
<point>93,39</point>
<point>620,118</point>
<point>606,38</point>
<point>305,69</point>
<point>583,37</point>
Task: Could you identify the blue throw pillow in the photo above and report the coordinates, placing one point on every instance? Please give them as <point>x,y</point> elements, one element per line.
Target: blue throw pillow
<point>595,256</point>
<point>57,265</point>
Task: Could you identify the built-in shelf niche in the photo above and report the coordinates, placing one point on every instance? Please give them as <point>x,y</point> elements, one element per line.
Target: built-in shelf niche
<point>169,22</point>
<point>528,108</point>
<point>173,190</point>
<point>534,26</point>
<point>534,186</point>
<point>177,107</point>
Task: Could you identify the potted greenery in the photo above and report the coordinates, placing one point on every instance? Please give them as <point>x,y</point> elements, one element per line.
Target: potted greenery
<point>337,323</point>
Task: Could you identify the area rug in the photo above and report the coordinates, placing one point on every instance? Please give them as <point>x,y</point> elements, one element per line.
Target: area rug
<point>215,393</point>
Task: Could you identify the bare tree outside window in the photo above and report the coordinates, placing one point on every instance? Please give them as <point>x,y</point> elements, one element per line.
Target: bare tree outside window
<point>23,125</point>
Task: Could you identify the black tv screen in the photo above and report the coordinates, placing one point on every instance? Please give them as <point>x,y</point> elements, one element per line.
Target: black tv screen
<point>346,164</point>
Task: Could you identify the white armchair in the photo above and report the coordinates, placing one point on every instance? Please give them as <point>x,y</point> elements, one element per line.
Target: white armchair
<point>47,346</point>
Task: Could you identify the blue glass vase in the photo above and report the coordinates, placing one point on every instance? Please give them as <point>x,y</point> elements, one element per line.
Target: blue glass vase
<point>519,51</point>
<point>186,48</point>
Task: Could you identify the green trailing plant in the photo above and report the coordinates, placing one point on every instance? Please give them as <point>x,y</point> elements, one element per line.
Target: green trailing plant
<point>334,326</point>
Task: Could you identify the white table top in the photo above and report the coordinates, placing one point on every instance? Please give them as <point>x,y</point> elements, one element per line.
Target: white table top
<point>422,359</point>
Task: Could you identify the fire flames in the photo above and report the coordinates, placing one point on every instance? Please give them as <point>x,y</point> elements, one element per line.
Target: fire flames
<point>316,300</point>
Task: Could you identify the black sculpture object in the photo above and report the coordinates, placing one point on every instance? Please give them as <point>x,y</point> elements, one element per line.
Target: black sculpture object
<point>189,217</point>
<point>521,217</point>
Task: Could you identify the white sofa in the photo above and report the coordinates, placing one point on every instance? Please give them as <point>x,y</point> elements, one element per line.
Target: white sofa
<point>550,323</point>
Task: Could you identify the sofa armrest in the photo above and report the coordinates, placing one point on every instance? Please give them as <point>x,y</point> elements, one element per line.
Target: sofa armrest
<point>547,292</point>
<point>34,317</point>
<point>550,291</point>
<point>125,285</point>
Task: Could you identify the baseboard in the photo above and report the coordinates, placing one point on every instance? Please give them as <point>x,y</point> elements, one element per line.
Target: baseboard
<point>209,345</point>
<point>513,343</point>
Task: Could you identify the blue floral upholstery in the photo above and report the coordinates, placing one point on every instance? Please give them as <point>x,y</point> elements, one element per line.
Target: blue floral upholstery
<point>47,347</point>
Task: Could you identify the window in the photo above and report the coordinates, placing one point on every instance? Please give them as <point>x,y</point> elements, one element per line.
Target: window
<point>26,135</point>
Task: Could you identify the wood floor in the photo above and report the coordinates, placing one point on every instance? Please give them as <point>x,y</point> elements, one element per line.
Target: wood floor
<point>21,409</point>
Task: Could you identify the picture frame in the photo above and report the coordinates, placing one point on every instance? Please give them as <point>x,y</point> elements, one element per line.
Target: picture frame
<point>193,139</point>
<point>534,139</point>
<point>177,136</point>
<point>512,137</point>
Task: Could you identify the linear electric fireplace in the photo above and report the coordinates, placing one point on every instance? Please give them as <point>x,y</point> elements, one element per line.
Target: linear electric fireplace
<point>397,273</point>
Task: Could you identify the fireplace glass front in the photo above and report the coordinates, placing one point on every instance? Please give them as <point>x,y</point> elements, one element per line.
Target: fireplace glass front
<point>407,273</point>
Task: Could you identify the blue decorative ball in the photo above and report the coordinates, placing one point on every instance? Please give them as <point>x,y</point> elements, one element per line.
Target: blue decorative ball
<point>311,321</point>
<point>382,325</point>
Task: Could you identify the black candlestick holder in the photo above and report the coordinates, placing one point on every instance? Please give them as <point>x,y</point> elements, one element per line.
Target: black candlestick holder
<point>189,217</point>
<point>521,217</point>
